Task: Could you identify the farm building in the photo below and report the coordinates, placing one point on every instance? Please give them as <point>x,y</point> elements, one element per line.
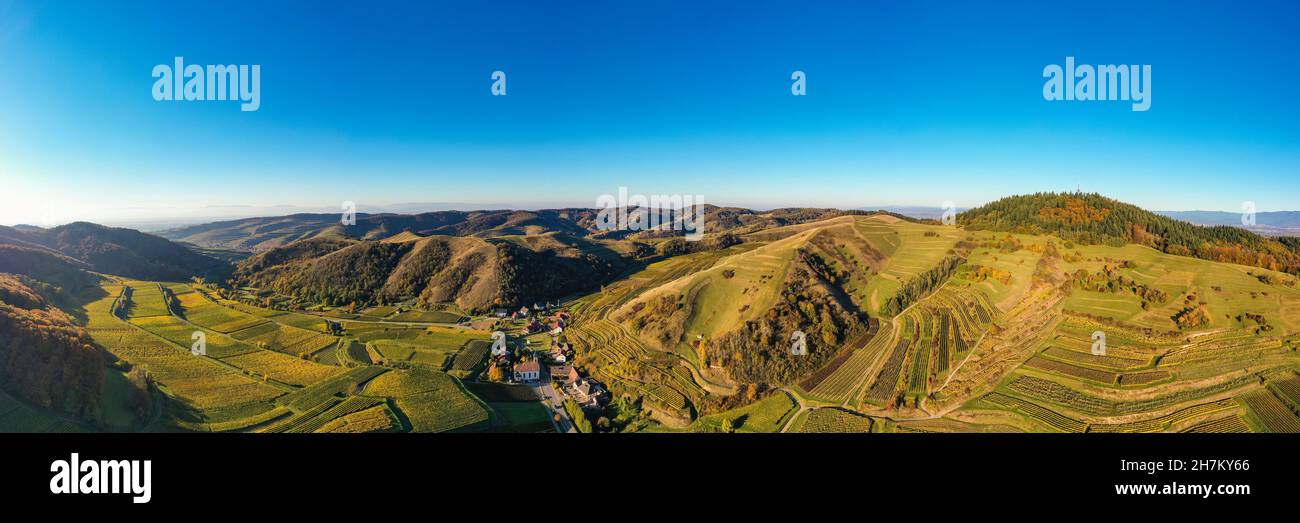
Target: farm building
<point>558,356</point>
<point>533,327</point>
<point>564,373</point>
<point>589,392</point>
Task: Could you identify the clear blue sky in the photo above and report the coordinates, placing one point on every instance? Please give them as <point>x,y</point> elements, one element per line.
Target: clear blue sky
<point>379,103</point>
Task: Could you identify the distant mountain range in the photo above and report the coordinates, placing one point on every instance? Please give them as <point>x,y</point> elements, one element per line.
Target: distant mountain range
<point>913,211</point>
<point>119,251</point>
<point>260,234</point>
<point>646,298</point>
<point>138,255</point>
<point>1274,223</point>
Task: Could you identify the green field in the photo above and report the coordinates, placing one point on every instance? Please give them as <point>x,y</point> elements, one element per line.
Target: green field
<point>430,400</point>
<point>426,317</point>
<point>766,415</point>
<point>831,420</point>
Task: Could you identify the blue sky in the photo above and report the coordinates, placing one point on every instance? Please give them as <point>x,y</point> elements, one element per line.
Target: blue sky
<point>908,103</point>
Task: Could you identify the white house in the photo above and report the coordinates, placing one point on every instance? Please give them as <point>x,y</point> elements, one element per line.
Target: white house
<point>528,371</point>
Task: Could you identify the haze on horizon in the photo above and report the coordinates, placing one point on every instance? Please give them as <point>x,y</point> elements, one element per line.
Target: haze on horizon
<point>387,103</point>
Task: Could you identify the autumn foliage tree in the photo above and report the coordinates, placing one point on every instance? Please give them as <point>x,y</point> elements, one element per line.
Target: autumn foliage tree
<point>1097,220</point>
<point>45,358</point>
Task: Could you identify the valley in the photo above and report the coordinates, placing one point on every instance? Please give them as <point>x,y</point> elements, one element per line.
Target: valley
<point>911,326</point>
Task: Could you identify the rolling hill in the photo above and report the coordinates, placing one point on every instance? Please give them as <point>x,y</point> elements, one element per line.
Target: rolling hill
<point>45,357</point>
<point>119,251</point>
<point>472,273</point>
<point>1095,219</point>
<point>980,326</point>
<point>259,234</point>
<point>988,325</point>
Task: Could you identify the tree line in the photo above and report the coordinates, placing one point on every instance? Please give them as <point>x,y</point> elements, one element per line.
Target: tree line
<point>1096,220</point>
<point>920,285</point>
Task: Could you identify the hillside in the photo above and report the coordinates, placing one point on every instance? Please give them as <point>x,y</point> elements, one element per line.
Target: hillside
<point>119,251</point>
<point>473,273</point>
<point>1095,220</point>
<point>46,358</point>
<point>976,330</point>
<point>910,325</point>
<point>1271,219</point>
<point>260,234</point>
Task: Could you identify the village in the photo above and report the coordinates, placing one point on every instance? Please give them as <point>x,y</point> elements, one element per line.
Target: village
<point>543,359</point>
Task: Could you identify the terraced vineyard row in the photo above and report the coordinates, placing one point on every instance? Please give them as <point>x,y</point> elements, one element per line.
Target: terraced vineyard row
<point>1048,416</point>
<point>616,350</point>
<point>1233,349</point>
<point>1232,425</point>
<point>844,381</point>
<point>945,325</point>
<point>1058,367</point>
<point>1271,412</point>
<point>343,408</point>
<point>1289,389</point>
<point>886,381</point>
<point>1056,393</point>
<point>294,421</point>
<point>323,391</point>
<point>1163,423</point>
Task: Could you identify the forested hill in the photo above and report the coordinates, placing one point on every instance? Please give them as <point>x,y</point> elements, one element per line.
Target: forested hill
<point>123,252</point>
<point>261,234</point>
<point>1095,219</point>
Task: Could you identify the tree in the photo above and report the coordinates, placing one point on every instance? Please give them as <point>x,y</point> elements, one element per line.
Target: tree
<point>727,426</point>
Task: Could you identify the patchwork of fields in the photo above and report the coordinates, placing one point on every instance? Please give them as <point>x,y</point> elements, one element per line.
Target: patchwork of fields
<point>1027,333</point>
<point>263,370</point>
